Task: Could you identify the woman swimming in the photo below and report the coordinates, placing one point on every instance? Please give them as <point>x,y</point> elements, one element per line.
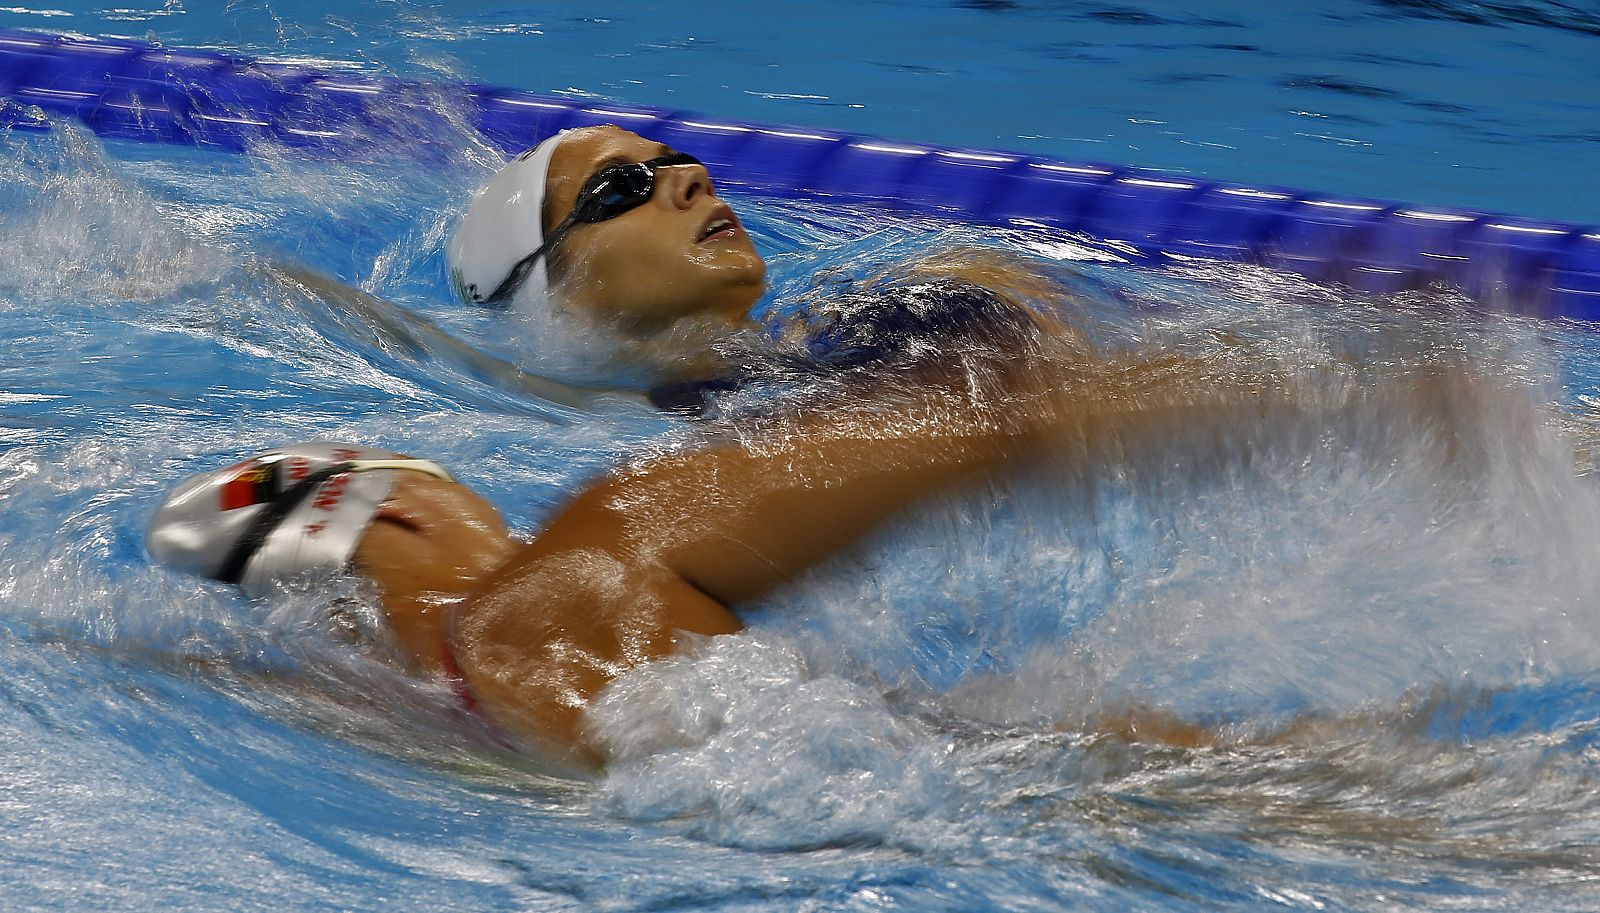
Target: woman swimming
<point>616,230</point>
<point>628,237</point>
<point>640,563</point>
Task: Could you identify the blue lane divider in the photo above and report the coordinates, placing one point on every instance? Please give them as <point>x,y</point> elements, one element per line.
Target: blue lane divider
<point>136,90</point>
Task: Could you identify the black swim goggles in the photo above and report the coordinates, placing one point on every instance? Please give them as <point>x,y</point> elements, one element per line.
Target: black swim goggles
<point>609,192</point>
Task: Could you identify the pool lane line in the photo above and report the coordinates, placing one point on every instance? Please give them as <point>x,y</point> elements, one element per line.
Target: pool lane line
<point>136,90</point>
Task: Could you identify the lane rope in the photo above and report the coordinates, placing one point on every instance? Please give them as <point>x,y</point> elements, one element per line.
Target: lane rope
<point>135,90</point>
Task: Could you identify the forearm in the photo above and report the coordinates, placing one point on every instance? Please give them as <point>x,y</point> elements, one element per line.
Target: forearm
<point>738,519</point>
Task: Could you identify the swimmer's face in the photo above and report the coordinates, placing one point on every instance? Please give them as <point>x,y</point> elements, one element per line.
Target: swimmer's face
<point>682,253</point>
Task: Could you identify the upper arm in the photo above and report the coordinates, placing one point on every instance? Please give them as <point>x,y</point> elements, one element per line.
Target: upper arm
<point>573,610</point>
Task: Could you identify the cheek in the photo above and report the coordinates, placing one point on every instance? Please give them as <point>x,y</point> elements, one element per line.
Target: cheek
<point>623,267</point>
<point>633,266</point>
<point>616,279</point>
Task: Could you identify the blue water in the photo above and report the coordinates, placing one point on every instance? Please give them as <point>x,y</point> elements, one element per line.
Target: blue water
<point>1489,105</point>
<point>904,730</point>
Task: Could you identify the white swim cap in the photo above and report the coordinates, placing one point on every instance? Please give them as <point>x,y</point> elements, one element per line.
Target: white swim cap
<point>504,223</point>
<point>280,513</point>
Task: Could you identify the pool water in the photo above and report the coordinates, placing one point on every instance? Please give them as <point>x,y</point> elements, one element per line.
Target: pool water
<point>1392,611</point>
<point>1487,105</point>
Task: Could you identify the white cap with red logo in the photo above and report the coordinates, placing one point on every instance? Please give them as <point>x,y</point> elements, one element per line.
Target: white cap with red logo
<point>278,514</point>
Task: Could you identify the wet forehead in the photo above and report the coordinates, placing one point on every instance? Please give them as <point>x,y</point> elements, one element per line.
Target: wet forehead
<point>584,153</point>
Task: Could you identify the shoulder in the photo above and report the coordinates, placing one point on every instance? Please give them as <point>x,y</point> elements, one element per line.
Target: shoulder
<point>902,322</point>
<point>911,319</point>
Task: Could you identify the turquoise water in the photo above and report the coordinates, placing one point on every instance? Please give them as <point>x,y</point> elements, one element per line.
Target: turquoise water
<point>904,729</point>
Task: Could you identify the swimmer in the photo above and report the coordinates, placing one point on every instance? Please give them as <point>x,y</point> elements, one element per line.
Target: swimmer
<point>619,231</point>
<point>627,234</point>
<point>641,563</point>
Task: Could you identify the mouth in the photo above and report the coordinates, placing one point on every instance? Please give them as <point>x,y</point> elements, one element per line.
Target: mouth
<point>721,225</point>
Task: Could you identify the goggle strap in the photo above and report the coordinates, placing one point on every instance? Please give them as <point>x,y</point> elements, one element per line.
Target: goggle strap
<point>268,519</point>
<point>274,512</point>
<point>519,272</point>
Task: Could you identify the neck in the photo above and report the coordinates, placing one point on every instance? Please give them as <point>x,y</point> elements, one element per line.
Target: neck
<point>693,348</point>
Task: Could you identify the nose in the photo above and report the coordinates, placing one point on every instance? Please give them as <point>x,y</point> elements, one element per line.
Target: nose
<point>685,184</point>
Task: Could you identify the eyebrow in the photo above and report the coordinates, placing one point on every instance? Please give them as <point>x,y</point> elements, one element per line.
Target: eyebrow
<point>622,158</point>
